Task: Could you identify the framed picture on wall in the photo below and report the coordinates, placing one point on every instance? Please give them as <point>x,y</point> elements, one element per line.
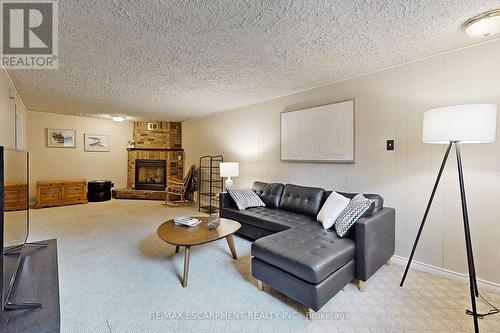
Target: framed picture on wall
<point>319,134</point>
<point>57,138</point>
<point>94,142</point>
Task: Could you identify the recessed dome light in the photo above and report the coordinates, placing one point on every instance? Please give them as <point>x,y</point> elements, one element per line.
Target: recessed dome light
<point>118,118</point>
<point>483,25</point>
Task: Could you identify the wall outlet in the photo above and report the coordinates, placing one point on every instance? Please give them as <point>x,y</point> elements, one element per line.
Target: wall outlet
<point>390,144</point>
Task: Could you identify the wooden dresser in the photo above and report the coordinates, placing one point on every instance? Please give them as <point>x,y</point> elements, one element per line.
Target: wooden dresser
<point>60,193</point>
<point>16,197</point>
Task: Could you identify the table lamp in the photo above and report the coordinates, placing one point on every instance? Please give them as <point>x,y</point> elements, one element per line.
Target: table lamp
<point>456,125</point>
<point>229,169</point>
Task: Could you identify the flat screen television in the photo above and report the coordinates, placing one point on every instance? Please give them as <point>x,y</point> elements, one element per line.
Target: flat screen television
<point>14,215</point>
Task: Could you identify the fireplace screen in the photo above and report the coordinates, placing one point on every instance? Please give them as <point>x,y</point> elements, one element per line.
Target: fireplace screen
<point>150,175</point>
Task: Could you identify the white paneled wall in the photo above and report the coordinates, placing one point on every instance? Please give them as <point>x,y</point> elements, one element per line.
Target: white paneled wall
<point>389,105</point>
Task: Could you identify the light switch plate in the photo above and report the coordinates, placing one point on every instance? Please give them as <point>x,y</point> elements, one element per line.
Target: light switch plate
<point>390,144</point>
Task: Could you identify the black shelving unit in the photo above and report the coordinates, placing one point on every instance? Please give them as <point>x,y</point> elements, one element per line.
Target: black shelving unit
<point>210,183</point>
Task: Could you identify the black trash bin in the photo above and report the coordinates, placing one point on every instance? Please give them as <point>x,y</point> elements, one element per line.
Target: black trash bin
<point>99,190</point>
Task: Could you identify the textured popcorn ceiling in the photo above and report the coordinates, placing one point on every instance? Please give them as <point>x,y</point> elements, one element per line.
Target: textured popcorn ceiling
<point>177,60</point>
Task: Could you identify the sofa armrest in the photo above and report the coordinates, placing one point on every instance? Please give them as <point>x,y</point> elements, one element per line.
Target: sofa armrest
<point>375,241</point>
<point>225,201</point>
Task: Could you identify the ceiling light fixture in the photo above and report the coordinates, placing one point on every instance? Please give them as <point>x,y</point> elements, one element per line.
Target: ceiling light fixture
<point>120,119</point>
<point>483,25</point>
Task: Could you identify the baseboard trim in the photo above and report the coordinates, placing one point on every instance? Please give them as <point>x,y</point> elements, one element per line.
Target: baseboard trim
<point>459,277</point>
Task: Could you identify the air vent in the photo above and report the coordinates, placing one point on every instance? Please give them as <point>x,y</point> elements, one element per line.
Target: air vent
<point>153,126</point>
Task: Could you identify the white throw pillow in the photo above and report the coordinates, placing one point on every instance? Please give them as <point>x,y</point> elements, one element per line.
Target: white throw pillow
<point>333,206</point>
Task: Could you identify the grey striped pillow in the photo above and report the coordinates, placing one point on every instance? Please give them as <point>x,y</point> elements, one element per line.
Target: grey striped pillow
<point>245,198</point>
<point>358,206</point>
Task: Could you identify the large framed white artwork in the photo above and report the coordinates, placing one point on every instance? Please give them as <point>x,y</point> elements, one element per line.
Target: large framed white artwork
<point>319,134</point>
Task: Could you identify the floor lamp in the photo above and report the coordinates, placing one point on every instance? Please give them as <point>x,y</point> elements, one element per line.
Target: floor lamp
<point>456,125</point>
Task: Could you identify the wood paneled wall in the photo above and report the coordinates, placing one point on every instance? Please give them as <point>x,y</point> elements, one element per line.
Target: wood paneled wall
<point>389,105</point>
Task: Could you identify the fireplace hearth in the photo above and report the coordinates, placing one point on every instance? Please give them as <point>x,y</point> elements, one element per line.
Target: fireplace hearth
<point>150,174</point>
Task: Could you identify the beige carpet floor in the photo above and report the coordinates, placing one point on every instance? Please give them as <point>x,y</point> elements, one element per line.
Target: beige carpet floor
<point>115,275</point>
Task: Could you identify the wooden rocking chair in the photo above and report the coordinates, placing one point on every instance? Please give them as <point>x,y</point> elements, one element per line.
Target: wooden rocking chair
<point>178,189</point>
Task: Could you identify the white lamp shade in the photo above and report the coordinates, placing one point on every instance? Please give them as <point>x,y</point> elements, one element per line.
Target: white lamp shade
<point>229,169</point>
<point>470,123</point>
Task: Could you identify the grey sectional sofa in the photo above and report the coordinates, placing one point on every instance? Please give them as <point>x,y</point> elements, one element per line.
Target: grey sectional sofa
<point>295,255</point>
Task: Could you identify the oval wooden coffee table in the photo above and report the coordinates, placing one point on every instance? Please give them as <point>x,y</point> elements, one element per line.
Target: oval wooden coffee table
<point>180,235</point>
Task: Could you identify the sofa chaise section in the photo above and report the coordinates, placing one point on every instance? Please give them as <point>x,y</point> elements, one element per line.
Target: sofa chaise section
<point>308,251</point>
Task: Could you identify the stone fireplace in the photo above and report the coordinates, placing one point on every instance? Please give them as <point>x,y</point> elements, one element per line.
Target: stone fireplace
<point>150,175</point>
<point>156,157</point>
<point>173,159</point>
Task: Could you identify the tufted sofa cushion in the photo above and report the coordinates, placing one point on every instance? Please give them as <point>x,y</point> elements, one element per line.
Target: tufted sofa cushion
<point>308,251</point>
<point>274,220</point>
<point>302,200</point>
<point>269,193</point>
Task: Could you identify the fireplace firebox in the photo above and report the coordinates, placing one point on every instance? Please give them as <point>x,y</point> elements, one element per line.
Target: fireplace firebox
<point>150,175</point>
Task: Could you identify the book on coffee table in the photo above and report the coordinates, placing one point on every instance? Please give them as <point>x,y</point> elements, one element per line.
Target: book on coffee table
<point>187,221</point>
